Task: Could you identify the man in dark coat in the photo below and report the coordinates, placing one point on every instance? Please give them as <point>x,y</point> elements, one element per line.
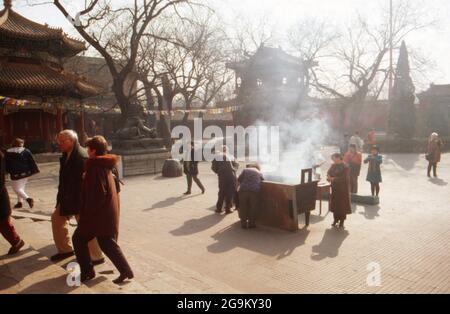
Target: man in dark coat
<point>68,201</point>
<point>99,212</point>
<point>339,177</point>
<point>6,228</point>
<point>225,166</point>
<point>190,169</point>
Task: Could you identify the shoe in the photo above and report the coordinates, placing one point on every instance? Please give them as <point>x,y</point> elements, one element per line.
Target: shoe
<point>123,277</point>
<point>61,256</point>
<point>84,277</point>
<point>334,225</point>
<point>219,211</point>
<point>98,262</point>
<point>187,193</point>
<point>228,211</point>
<point>18,205</point>
<point>203,191</point>
<point>30,202</point>
<point>16,248</point>
<point>341,225</point>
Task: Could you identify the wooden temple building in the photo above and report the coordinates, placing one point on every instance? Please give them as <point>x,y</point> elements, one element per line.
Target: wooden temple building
<point>269,84</point>
<point>37,94</point>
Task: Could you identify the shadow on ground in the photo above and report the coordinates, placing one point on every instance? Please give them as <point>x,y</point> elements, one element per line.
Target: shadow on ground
<point>16,270</point>
<point>169,202</point>
<point>197,225</point>
<point>261,240</point>
<point>370,212</point>
<point>54,285</point>
<point>329,246</point>
<point>438,181</point>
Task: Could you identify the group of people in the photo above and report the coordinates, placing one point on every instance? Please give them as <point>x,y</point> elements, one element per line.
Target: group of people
<point>242,191</point>
<point>353,158</point>
<point>88,190</point>
<point>343,176</point>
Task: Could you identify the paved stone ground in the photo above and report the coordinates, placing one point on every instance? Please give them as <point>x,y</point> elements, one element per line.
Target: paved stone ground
<point>178,244</point>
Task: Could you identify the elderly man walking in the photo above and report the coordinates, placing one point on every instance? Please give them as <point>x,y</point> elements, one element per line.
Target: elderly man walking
<point>68,201</point>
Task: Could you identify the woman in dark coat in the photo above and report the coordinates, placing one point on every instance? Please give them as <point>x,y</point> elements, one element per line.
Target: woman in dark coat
<point>190,169</point>
<point>339,177</point>
<point>99,213</point>
<point>6,228</point>
<point>434,154</point>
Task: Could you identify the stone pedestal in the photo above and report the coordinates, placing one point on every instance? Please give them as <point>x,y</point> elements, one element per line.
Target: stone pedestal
<point>172,169</point>
<point>140,156</point>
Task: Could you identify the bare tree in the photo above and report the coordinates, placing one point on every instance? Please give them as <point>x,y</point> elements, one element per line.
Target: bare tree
<point>353,62</point>
<point>192,64</point>
<point>115,31</point>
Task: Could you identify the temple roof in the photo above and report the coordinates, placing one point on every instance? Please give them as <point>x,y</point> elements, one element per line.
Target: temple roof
<point>266,56</point>
<point>19,79</point>
<point>15,26</point>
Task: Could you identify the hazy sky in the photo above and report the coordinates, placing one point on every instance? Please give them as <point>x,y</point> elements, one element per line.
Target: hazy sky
<point>433,43</point>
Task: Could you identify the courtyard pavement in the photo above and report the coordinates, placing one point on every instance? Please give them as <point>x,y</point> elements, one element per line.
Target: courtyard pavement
<point>178,244</point>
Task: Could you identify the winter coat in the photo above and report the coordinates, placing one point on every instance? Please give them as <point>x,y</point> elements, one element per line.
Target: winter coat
<point>225,167</point>
<point>374,171</point>
<point>190,166</point>
<point>340,186</point>
<point>99,212</point>
<point>434,151</point>
<point>354,163</point>
<point>70,179</point>
<point>20,163</point>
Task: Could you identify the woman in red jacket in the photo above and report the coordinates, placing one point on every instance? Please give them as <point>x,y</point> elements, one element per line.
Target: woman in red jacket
<point>99,213</point>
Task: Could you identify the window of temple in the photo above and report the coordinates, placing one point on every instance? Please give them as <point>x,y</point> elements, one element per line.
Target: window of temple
<point>285,80</point>
<point>259,82</point>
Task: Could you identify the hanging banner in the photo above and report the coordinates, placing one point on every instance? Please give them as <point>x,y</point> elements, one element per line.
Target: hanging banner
<point>189,111</point>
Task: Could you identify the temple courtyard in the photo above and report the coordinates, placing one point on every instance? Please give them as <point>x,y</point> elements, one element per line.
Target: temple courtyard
<point>177,244</point>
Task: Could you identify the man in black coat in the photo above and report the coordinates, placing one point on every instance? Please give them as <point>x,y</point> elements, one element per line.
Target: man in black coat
<point>6,227</point>
<point>68,200</point>
<point>225,166</point>
<point>190,169</point>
